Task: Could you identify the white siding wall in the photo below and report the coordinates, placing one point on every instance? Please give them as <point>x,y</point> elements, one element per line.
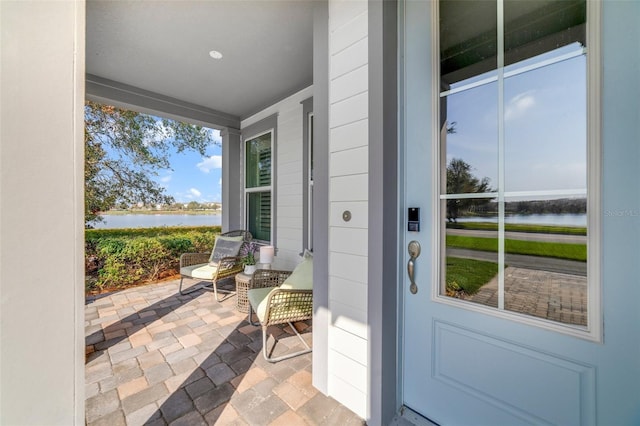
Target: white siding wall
<point>348,190</point>
<point>288,163</point>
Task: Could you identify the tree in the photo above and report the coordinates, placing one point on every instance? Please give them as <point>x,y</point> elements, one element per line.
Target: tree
<point>125,150</point>
<point>460,180</point>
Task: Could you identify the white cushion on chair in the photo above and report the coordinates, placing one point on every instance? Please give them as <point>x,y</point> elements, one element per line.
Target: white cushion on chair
<point>301,278</point>
<point>202,271</point>
<point>258,299</point>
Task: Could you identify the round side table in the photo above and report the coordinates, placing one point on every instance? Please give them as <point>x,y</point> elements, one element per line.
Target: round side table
<point>242,287</point>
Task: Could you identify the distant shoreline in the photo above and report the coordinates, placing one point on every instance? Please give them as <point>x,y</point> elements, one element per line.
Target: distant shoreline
<point>156,212</point>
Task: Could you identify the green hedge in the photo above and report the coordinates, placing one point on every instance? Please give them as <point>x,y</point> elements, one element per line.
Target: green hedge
<point>117,258</point>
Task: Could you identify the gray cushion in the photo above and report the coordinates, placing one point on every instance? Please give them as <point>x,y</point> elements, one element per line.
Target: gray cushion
<point>225,247</point>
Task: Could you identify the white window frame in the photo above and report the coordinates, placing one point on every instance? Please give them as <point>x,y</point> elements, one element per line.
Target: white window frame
<point>307,182</point>
<point>594,328</point>
<point>266,188</point>
<point>309,179</point>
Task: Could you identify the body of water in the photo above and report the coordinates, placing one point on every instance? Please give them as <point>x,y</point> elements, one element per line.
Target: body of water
<point>155,220</point>
<point>535,219</point>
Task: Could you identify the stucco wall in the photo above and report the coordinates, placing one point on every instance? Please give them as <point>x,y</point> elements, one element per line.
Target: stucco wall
<point>348,191</point>
<point>41,213</point>
<point>288,166</point>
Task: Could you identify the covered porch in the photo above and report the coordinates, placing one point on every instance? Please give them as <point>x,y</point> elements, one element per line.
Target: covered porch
<point>251,69</point>
<point>234,67</point>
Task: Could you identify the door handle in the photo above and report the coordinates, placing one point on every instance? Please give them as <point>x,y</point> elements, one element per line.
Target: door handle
<point>414,252</point>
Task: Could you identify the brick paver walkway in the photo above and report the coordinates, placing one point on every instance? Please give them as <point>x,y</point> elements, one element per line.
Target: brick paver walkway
<point>155,358</point>
<point>551,295</point>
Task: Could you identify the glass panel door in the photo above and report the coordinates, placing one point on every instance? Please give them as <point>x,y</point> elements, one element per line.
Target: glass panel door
<point>513,156</point>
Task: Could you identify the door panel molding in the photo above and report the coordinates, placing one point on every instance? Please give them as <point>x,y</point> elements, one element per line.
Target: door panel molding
<point>496,371</point>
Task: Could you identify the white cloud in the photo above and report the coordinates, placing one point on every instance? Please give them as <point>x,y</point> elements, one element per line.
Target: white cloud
<point>215,135</point>
<point>208,164</point>
<point>519,104</point>
<point>194,192</point>
<point>220,181</point>
<point>165,179</point>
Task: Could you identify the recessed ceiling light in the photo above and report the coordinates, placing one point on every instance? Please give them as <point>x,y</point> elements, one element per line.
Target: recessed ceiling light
<point>215,54</point>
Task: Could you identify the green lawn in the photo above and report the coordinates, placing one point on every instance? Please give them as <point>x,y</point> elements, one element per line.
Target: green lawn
<point>536,229</point>
<point>468,274</point>
<point>532,248</point>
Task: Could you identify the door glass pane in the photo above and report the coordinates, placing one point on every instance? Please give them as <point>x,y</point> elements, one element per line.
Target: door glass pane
<point>546,128</point>
<point>546,258</point>
<point>471,250</point>
<point>468,47</point>
<point>535,27</point>
<point>258,161</point>
<point>521,134</point>
<point>259,215</point>
<point>469,140</point>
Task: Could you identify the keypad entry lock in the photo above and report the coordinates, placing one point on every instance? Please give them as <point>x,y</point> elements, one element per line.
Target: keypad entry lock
<point>414,253</point>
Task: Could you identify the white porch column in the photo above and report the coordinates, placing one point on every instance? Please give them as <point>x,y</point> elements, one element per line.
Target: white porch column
<point>41,212</point>
<point>348,174</point>
<point>321,314</point>
<point>231,182</point>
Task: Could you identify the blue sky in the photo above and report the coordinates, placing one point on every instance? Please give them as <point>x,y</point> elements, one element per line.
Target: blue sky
<point>194,177</point>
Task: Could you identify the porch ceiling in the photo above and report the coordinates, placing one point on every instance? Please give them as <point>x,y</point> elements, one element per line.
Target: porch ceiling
<point>163,47</point>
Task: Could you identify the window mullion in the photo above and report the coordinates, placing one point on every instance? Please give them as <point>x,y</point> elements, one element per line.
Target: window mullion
<point>501,151</point>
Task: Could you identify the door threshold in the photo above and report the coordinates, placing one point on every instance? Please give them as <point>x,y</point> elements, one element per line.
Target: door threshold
<point>407,417</point>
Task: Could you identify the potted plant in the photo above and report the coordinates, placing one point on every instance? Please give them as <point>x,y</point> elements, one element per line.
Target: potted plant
<point>249,259</point>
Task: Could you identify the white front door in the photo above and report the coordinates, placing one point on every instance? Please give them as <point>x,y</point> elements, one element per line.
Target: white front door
<point>501,161</point>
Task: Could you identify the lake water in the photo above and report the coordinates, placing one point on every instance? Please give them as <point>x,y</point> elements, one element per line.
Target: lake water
<point>535,219</point>
<point>155,220</point>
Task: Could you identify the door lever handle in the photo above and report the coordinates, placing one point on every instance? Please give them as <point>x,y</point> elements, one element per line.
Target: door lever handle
<point>414,252</point>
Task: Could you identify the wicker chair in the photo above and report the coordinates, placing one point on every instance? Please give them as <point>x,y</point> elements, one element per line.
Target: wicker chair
<point>196,266</point>
<point>282,306</point>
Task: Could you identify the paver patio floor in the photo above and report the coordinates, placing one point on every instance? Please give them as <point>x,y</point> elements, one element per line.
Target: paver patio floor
<point>155,357</point>
<point>551,295</point>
